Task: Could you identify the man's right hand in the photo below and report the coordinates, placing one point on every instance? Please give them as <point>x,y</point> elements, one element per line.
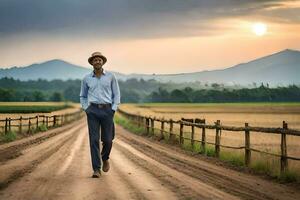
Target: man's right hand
<point>85,110</point>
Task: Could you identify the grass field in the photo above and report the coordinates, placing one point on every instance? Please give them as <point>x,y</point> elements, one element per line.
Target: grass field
<point>236,114</point>
<point>15,110</point>
<point>220,104</point>
<point>31,107</point>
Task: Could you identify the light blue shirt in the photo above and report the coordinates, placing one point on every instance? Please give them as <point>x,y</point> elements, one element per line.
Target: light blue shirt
<point>100,90</point>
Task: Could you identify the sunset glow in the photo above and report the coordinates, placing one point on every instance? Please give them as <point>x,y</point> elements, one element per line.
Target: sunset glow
<point>259,29</point>
<point>146,37</point>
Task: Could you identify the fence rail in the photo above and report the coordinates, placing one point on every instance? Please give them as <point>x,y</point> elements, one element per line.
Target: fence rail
<point>149,124</point>
<point>31,124</point>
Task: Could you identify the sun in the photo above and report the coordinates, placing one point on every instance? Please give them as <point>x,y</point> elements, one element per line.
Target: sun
<point>259,29</point>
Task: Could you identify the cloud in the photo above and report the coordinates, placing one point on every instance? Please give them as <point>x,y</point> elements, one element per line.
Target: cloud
<point>129,18</point>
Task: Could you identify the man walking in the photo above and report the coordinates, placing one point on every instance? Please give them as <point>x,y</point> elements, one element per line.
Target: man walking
<point>100,97</point>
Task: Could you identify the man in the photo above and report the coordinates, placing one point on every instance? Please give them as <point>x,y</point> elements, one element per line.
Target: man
<point>100,97</point>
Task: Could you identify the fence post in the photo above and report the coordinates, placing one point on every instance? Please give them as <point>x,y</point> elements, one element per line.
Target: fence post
<point>43,119</point>
<point>284,161</point>
<point>247,146</point>
<point>193,135</point>
<point>147,125</point>
<point>20,125</point>
<point>47,121</point>
<point>162,129</point>
<point>37,122</point>
<point>29,126</point>
<point>171,131</point>
<point>152,126</point>
<point>57,120</point>
<point>9,124</point>
<point>6,124</point>
<point>203,142</point>
<point>54,120</point>
<point>181,133</point>
<point>217,139</point>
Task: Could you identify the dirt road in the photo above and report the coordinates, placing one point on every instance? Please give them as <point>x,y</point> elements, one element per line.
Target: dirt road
<point>59,167</point>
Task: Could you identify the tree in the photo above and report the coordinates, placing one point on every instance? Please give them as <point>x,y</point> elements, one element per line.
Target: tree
<point>179,96</point>
<point>7,94</point>
<point>56,96</point>
<point>38,96</point>
<point>72,93</point>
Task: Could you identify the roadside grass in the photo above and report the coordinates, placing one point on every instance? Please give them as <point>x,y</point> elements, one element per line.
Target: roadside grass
<point>127,124</point>
<point>9,137</point>
<point>262,165</point>
<point>265,164</point>
<point>289,177</point>
<point>12,135</point>
<point>42,128</point>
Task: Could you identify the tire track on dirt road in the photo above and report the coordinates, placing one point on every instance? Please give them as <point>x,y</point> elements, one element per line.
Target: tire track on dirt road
<point>186,186</point>
<point>239,184</point>
<point>66,174</point>
<point>141,168</point>
<point>34,154</point>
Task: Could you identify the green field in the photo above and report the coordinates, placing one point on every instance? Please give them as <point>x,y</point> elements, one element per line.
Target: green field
<point>32,107</point>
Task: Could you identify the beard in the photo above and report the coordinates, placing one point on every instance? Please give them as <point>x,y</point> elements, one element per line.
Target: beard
<point>97,67</point>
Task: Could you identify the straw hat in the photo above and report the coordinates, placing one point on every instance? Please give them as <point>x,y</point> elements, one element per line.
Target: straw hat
<point>97,54</point>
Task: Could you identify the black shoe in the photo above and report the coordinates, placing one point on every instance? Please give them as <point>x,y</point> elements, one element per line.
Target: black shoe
<point>96,174</point>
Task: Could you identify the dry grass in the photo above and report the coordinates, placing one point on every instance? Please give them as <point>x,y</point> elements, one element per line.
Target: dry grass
<point>264,115</point>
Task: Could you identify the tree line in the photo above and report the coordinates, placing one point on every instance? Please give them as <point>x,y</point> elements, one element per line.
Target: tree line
<point>259,94</point>
<point>138,91</point>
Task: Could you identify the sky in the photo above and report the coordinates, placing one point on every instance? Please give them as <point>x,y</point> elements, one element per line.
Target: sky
<point>146,36</point>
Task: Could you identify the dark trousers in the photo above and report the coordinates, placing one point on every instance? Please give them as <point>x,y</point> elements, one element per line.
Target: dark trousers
<point>100,118</point>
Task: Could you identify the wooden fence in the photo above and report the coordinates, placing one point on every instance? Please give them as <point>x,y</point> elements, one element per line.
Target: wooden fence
<point>32,124</point>
<point>148,123</point>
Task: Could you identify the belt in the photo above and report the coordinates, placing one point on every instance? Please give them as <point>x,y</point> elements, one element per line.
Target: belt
<point>102,105</point>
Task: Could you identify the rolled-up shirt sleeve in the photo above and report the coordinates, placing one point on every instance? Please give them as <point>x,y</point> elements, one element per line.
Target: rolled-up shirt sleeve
<point>84,94</point>
<point>116,96</point>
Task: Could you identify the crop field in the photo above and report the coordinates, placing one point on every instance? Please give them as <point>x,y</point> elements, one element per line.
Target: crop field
<point>235,114</point>
<point>15,110</point>
<point>30,107</point>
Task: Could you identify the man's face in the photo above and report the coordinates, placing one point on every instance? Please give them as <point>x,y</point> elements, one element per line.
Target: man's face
<point>97,63</point>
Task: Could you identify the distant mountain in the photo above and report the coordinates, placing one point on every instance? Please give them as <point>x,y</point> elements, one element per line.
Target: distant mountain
<point>53,69</point>
<point>279,68</point>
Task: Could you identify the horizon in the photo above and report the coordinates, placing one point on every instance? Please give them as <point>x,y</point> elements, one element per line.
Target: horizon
<point>90,67</point>
<point>145,37</point>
